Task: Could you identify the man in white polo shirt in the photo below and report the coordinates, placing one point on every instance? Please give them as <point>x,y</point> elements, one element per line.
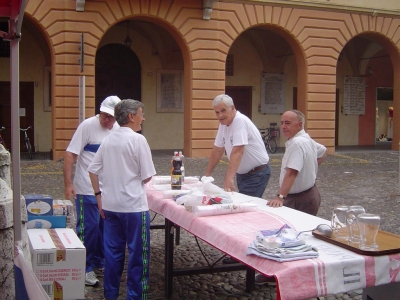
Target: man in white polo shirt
<point>298,172</point>
<point>81,150</point>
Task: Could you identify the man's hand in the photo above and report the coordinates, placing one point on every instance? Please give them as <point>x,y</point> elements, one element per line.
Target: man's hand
<point>229,185</point>
<point>276,202</point>
<point>100,206</point>
<point>69,192</point>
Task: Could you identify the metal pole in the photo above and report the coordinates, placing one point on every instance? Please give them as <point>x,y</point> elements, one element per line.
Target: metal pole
<point>81,99</point>
<point>15,136</point>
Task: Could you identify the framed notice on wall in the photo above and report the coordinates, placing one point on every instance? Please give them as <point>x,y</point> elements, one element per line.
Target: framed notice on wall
<point>169,91</point>
<point>354,96</point>
<point>272,93</point>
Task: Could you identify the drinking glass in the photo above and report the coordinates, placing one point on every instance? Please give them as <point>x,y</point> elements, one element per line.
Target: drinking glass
<point>368,224</point>
<point>351,222</point>
<point>338,222</point>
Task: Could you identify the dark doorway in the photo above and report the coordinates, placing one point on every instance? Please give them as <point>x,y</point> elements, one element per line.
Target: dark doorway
<point>242,98</point>
<point>118,72</point>
<point>26,104</point>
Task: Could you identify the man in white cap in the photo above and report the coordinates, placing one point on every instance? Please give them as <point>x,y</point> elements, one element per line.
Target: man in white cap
<point>82,148</point>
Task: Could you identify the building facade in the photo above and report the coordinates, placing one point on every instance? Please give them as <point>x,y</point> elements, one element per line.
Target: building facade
<point>339,64</point>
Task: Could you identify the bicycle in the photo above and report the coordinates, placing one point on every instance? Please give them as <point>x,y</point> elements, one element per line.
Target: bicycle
<point>27,142</point>
<point>268,139</point>
<point>2,142</point>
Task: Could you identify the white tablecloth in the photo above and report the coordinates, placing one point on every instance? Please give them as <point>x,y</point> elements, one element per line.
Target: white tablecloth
<point>336,270</point>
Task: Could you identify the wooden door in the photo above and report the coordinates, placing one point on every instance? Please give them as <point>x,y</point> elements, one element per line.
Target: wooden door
<point>242,98</point>
<point>26,99</point>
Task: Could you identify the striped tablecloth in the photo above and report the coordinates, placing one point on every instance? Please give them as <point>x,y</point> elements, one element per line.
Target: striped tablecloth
<point>336,270</point>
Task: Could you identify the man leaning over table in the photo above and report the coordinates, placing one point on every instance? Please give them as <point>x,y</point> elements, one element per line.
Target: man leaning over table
<point>82,148</point>
<point>248,158</point>
<point>298,171</point>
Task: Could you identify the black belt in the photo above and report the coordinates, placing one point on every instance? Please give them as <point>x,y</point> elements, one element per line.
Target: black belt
<point>256,169</point>
<point>303,192</point>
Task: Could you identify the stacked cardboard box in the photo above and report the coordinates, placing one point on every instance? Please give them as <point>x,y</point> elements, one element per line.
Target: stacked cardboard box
<point>65,208</point>
<point>40,212</point>
<point>58,260</point>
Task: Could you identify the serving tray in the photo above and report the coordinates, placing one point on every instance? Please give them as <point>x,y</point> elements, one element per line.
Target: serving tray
<point>388,243</point>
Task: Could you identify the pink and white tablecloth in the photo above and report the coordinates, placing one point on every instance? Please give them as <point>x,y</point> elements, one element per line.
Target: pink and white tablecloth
<point>336,270</point>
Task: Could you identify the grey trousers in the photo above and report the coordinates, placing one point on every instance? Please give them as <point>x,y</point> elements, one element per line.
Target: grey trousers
<point>307,201</point>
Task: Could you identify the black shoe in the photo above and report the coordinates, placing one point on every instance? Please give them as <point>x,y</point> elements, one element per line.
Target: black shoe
<point>229,260</point>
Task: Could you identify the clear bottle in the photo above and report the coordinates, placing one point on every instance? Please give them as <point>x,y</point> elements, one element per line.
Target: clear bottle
<point>183,166</point>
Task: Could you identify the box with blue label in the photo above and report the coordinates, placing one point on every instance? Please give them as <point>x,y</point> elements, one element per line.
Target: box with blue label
<point>39,204</point>
<point>46,222</point>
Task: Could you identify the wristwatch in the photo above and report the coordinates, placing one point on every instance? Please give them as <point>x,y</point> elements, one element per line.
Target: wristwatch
<point>98,193</point>
<point>281,196</point>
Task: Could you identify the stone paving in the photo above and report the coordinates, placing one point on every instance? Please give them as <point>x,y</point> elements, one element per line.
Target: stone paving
<point>368,178</point>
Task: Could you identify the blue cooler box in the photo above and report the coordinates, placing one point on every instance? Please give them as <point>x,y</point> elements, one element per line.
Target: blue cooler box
<point>39,205</point>
<point>46,222</point>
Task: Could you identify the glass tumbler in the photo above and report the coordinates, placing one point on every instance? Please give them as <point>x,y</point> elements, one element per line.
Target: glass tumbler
<point>351,222</point>
<point>338,222</point>
<point>368,224</point>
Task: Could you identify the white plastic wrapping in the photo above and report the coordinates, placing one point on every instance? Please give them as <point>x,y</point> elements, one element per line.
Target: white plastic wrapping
<point>223,209</point>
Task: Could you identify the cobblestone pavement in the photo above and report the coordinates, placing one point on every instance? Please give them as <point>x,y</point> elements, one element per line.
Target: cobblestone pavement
<point>368,178</point>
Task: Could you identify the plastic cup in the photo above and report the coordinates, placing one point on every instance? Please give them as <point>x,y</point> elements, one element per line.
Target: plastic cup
<point>351,222</point>
<point>368,224</point>
<point>338,222</point>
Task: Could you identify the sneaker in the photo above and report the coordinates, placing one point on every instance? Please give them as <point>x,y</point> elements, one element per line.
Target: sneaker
<point>99,272</point>
<point>91,279</point>
<point>261,279</point>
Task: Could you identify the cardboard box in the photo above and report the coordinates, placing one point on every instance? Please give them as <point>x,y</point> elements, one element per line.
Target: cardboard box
<point>46,222</point>
<point>58,261</point>
<point>38,204</point>
<point>63,207</point>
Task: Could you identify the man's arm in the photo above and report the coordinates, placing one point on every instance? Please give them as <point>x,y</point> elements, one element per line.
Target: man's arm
<point>216,154</point>
<point>322,158</point>
<point>284,190</point>
<point>69,161</point>
<point>234,162</point>
<point>94,179</point>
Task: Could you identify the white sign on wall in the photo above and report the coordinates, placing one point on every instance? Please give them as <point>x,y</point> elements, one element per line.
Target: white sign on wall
<point>354,96</point>
<point>272,93</point>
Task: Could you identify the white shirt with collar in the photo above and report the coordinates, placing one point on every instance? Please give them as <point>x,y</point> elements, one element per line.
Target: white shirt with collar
<point>301,154</point>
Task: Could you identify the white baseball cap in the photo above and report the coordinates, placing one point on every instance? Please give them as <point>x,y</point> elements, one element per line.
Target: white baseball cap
<point>108,104</point>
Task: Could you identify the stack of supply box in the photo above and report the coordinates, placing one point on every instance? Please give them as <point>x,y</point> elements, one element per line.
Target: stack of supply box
<point>44,212</point>
<point>58,256</point>
<point>65,208</point>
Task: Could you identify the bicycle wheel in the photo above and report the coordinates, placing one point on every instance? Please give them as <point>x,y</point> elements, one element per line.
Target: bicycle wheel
<point>272,145</point>
<point>29,149</point>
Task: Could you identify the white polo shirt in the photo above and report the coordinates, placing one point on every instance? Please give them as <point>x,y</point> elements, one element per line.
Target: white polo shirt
<point>240,132</point>
<point>87,137</point>
<point>301,154</point>
<point>124,159</point>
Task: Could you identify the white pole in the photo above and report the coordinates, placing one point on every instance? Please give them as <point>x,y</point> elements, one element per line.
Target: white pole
<point>81,99</point>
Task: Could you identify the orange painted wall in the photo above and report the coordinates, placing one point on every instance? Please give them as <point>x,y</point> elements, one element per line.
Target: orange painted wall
<point>316,36</point>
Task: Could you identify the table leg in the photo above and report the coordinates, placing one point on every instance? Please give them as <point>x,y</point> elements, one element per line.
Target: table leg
<point>250,279</point>
<point>169,256</point>
<point>177,235</point>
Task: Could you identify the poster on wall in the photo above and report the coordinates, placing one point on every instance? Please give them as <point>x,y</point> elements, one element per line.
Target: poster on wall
<point>169,91</point>
<point>354,96</point>
<point>272,93</point>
